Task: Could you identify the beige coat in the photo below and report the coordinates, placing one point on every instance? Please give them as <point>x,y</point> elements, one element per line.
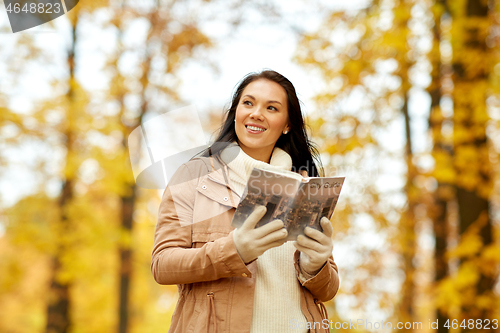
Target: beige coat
<point>194,249</point>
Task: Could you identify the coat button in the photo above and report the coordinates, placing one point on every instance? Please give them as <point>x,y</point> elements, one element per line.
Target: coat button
<point>226,198</point>
<point>244,275</point>
<point>204,187</point>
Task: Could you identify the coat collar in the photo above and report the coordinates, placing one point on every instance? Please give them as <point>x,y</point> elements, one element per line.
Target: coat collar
<point>216,185</point>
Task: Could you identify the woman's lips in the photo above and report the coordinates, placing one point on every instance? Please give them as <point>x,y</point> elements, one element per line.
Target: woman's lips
<point>253,129</point>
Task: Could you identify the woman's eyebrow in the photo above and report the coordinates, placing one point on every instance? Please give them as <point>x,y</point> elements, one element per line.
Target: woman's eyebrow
<point>250,96</point>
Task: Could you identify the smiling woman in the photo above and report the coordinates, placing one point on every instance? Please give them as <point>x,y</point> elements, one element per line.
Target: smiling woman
<point>261,118</point>
<point>294,142</point>
<point>247,279</point>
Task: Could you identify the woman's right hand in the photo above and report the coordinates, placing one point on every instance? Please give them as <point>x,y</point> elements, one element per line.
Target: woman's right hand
<point>251,242</point>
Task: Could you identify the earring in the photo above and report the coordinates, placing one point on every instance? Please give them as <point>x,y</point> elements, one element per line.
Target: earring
<point>285,132</point>
<point>234,119</point>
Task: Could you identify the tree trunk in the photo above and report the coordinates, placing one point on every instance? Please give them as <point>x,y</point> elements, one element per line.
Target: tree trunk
<point>442,152</point>
<point>127,211</point>
<point>442,196</point>
<point>128,200</point>
<point>59,303</point>
<point>408,242</point>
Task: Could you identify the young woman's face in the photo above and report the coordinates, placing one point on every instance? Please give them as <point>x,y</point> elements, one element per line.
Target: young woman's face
<point>261,118</point>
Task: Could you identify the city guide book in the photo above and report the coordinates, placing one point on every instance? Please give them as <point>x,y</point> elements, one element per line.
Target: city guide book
<point>297,201</point>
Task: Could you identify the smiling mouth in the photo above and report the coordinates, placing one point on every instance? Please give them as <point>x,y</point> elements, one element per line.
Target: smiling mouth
<point>254,128</point>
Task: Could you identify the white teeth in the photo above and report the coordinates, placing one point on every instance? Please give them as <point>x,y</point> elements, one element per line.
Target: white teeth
<point>256,128</point>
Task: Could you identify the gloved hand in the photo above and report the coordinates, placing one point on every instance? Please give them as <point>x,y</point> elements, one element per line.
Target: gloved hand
<point>316,248</point>
<point>251,243</point>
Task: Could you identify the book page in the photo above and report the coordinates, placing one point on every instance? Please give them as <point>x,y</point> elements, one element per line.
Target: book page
<point>273,190</point>
<point>284,173</point>
<point>315,199</point>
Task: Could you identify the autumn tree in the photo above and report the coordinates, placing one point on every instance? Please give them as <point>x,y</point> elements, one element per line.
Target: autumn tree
<point>377,60</point>
<point>81,226</point>
<point>473,180</point>
<point>442,150</point>
<point>171,48</point>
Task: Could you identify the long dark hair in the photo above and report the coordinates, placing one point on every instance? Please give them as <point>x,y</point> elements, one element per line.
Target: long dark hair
<point>296,143</point>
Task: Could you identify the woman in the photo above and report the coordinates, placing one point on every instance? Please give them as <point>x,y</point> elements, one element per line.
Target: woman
<point>246,279</point>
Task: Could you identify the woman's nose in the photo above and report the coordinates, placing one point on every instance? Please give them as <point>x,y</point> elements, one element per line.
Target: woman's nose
<point>257,114</point>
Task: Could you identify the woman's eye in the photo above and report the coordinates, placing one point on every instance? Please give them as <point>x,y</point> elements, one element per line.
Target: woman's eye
<point>273,108</point>
<point>247,103</point>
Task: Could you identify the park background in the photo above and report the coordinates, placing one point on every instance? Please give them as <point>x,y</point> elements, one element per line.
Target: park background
<point>401,97</point>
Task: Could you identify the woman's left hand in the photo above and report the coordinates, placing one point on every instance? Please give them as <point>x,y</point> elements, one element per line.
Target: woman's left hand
<point>316,248</point>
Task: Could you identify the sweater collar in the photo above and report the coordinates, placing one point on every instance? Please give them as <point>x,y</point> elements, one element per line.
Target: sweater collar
<point>242,164</point>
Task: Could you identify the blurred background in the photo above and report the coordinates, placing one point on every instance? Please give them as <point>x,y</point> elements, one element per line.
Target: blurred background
<point>401,96</point>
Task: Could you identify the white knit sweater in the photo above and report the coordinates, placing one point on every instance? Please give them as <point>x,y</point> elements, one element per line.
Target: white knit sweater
<point>277,291</point>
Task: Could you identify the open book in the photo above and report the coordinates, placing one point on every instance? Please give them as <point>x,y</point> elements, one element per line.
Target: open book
<point>297,201</point>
